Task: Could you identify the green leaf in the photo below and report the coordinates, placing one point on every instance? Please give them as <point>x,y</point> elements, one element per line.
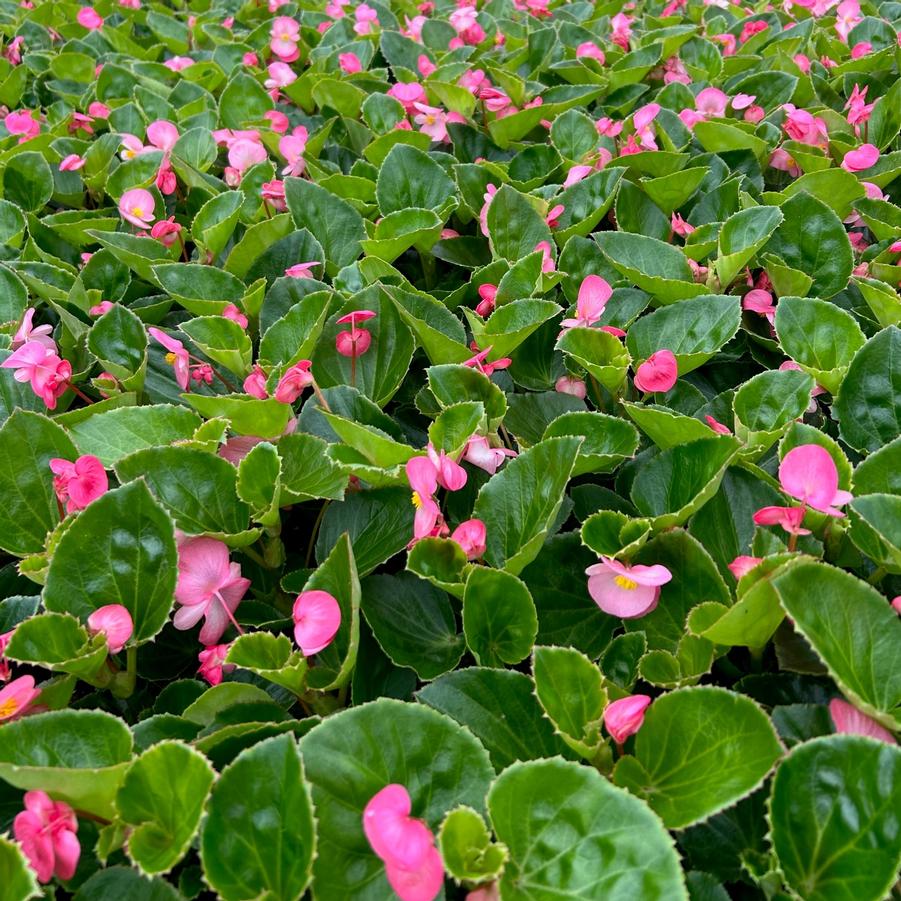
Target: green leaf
<point>455,425</point>
<point>832,813</point>
<point>356,753</point>
<point>408,177</point>
<point>215,222</point>
<point>259,483</point>
<point>880,472</point>
<point>222,340</point>
<point>28,181</point>
<point>564,823</point>
<point>307,471</point>
<point>413,622</point>
<point>742,235</point>
<point>203,290</point>
<point>16,877</point>
<point>853,631</point>
<point>511,323</point>
<point>519,503</point>
<point>272,854</point>
<point>119,342</point>
<point>699,750</point>
<point>875,522</point>
<point>293,337</point>
<point>467,849</point>
<point>601,353</point>
<point>243,100</point>
<point>452,384</point>
<point>77,756</point>
<point>499,618</point>
<point>162,797</point>
<point>116,883</point>
<point>273,657</point>
<point>586,203</point>
<point>28,442</point>
<point>59,642</point>
<point>867,405</point>
<point>246,415</point>
<point>499,708</point>
<point>437,330</point>
<point>514,225</point>
<point>664,427</point>
<point>608,439</point>
<point>120,550</point>
<point>766,405</point>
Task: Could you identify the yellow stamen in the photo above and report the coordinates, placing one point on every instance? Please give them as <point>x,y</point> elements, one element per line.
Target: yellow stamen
<point>429,119</point>
<point>170,358</point>
<point>137,211</point>
<point>8,708</point>
<point>626,582</point>
<point>417,500</point>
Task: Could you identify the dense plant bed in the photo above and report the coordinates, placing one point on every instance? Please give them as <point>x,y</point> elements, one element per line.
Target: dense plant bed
<point>450,450</point>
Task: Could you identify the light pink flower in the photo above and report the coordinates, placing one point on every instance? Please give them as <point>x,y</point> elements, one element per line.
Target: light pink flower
<point>13,51</point>
<point>847,15</point>
<point>278,120</point>
<point>432,121</point>
<point>26,332</point>
<point>212,663</point>
<point>488,196</point>
<point>302,270</point>
<point>547,261</point>
<point>790,518</point>
<point>16,698</point>
<point>178,356</point>
<point>480,453</point>
<point>576,174</point>
<point>424,65</point>
<point>478,361</point>
<point>274,192</point>
<point>623,590</point>
<point>864,157</point>
<point>464,21</point>
<point>255,383</point>
<point>244,153</point>
<point>89,18</point>
<point>849,720</point>
<point>22,123</point>
<point>47,832</point>
<point>658,373</point>
<point>621,30</point>
<point>177,63</point>
<point>809,474</point>
<point>356,341</point>
<point>285,35</point>
<point>78,484</point>
<point>861,49</point>
<point>784,161</point>
<point>292,148</point>
<point>712,103</point>
<point>115,622</point>
<point>137,207</point>
<point>594,292</point>
<point>624,717</point>
<point>742,565</point>
<point>5,671</point>
<point>71,163</point>
<point>162,134</point>
<point>48,373</point>
<point>590,50</point>
<point>803,126</point>
<point>759,301</point>
<point>209,585</point>
<point>317,618</point>
<point>553,216</point>
<point>102,308</point>
<point>405,845</point>
<point>802,62</point>
<point>569,384</point>
<point>280,76</point>
<point>366,18</point>
<point>642,121</point>
<point>471,536</point>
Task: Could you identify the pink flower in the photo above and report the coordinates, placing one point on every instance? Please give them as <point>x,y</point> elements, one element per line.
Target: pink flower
<point>291,385</point>
<point>26,332</point>
<point>849,720</point>
<point>478,361</point>
<point>162,134</point>
<point>717,426</point>
<point>674,71</point>
<point>178,356</point>
<point>450,475</point>
<point>366,17</point>
<point>784,161</point>
<point>233,313</point>
<point>423,481</point>
<point>809,474</point>
<point>137,206</point>
<point>274,192</point>
<point>47,832</point>
<point>209,586</point>
<point>22,123</point>
<point>847,15</point>
<point>858,109</point>
<point>408,94</point>
<point>624,717</point>
<point>471,536</point>
<point>803,126</point>
<point>285,35</point>
<point>590,50</point>
<point>658,373</point>
<point>250,59</point>
<point>742,565</point>
<point>115,622</point>
<point>432,121</point>
<point>728,41</point>
<point>354,343</point>
<point>750,29</point>
<point>212,663</point>
<point>594,292</point>
<point>166,231</point>
<point>279,121</point>
<point>78,484</point>
<point>487,293</point>
<point>405,845</point>
<point>101,309</point>
<point>488,196</point>
<point>349,63</point>
<point>317,618</point>
<point>621,30</point>
<point>88,18</point>
<point>802,62</point>
<point>547,261</point>
<point>480,453</point>
<point>425,66</point>
<point>244,153</point>
<point>132,146</point>
<point>576,174</point>
<point>72,163</point>
<point>302,270</point>
<point>36,363</point>
<point>759,301</point>
<point>280,76</point>
<point>177,63</point>
<point>292,148</point>
<point>413,29</point>
<point>13,51</point>
<point>569,384</point>
<point>642,121</point>
<point>255,383</point>
<point>689,118</point>
<point>623,590</point>
<point>166,181</point>
<point>790,518</point>
<point>5,671</point>
<point>712,103</point>
<point>16,697</point>
<point>864,157</point>
<point>463,19</point>
<point>680,226</point>
<point>554,213</point>
<point>861,49</point>
<point>754,114</point>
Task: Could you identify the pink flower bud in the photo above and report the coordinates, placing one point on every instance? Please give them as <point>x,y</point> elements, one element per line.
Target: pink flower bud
<point>115,622</point>
<point>624,717</point>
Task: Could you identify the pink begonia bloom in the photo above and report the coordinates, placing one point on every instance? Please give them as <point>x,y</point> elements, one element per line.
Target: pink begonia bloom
<point>449,474</point>
<point>212,663</point>
<point>165,178</point>
<point>71,163</point>
<point>847,15</point>
<point>728,41</point>
<point>488,196</point>
<point>423,479</point>
<point>497,102</point>
<point>742,565</point>
<point>13,51</point>
<point>232,312</point>
<point>784,161</point>
<point>487,293</point>
<point>858,242</point>
<point>624,717</point>
<point>16,697</point>
<point>547,261</point>
<point>162,134</point>
<point>209,585</point>
<point>273,192</point>
<point>478,361</point>
<point>285,35</point>
<point>405,845</point>
<point>759,301</point>
<point>680,226</point>
<point>425,66</point>
<point>464,22</point>
<point>626,591</point>
<point>408,94</point>
<point>356,341</point>
<point>5,671</point>
<point>743,101</point>
<point>895,248</point>
<point>250,59</point>
<point>754,114</point>
<point>255,383</point>
<point>115,622</point>
<point>658,372</point>
<point>689,118</point>
<point>471,536</point>
<point>802,62</point>
<point>302,270</point>
<point>317,618</point>
<point>291,385</point>
<point>850,721</point>
<point>178,63</point>
<point>38,364</point>
<point>178,356</point>
<point>861,49</point>
<point>864,157</point>
<point>858,109</point>
<point>413,28</point>
<point>27,332</point>
<point>78,484</point>
<point>366,17</point>
<point>89,18</point>
<point>490,892</point>
<point>594,292</point>
<point>137,207</point>
<point>569,384</point>
<point>292,148</point>
<point>47,832</point>
<point>621,30</point>
<point>278,120</point>
<point>244,153</point>
<point>22,123</point>
<point>166,231</point>
<point>717,426</point>
<point>350,63</point>
<point>280,76</point>
<point>803,126</point>
<point>590,50</point>
<point>896,604</point>
<point>809,474</point>
<point>474,80</point>
<point>576,174</point>
<point>432,121</point>
<point>480,453</point>
<point>674,71</point>
<point>642,121</point>
<point>132,146</point>
<point>790,518</point>
<point>712,103</point>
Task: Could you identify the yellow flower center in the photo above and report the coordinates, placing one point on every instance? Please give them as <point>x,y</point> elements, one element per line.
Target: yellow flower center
<point>626,582</point>
<point>8,708</point>
<point>170,358</point>
<point>417,500</point>
<point>429,119</point>
<point>137,211</point>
